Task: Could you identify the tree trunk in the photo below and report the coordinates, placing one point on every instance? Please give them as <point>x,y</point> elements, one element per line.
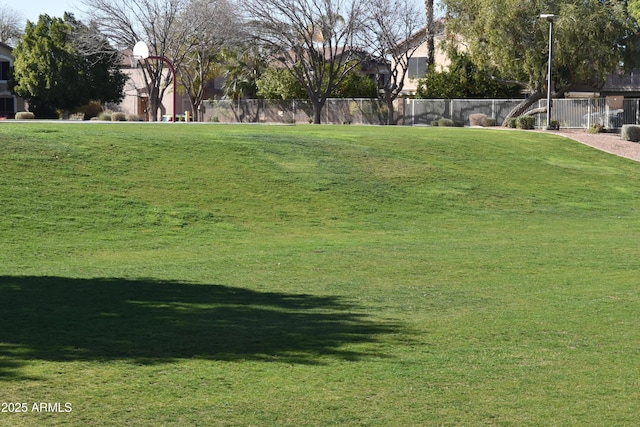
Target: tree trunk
<point>390,110</point>
<point>154,105</point>
<point>428,6</point>
<point>519,109</point>
<point>194,111</point>
<point>317,111</point>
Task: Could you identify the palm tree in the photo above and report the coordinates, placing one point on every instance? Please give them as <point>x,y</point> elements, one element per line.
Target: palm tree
<point>244,68</point>
<point>428,6</point>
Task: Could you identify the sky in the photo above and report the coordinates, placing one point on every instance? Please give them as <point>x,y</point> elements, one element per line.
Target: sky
<point>32,9</point>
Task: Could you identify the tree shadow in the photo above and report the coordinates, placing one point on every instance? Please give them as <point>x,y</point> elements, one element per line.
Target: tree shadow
<point>154,321</point>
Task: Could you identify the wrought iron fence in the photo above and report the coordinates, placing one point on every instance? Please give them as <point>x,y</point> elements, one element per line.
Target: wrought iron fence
<point>570,113</point>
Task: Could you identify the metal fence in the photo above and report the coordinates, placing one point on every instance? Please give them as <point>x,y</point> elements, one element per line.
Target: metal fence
<point>610,113</point>
<point>335,111</point>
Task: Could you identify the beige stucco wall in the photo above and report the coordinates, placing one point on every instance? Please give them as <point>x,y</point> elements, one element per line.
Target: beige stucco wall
<point>135,89</point>
<point>441,60</point>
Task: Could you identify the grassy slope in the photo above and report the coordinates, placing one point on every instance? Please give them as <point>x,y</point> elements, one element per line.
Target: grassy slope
<point>253,275</point>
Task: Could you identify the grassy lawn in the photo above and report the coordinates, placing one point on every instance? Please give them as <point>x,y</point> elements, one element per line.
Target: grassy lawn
<point>160,274</point>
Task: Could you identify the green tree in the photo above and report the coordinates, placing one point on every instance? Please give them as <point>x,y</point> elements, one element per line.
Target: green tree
<point>279,83</point>
<point>99,62</point>
<point>462,79</point>
<point>53,71</point>
<point>507,38</point>
<point>244,66</point>
<point>356,85</point>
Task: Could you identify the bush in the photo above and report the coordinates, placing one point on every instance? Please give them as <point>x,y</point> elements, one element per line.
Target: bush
<point>434,123</point>
<point>594,128</point>
<point>105,116</point>
<point>477,119</point>
<point>25,115</point>
<point>555,125</point>
<point>119,117</point>
<point>135,118</point>
<point>480,119</point>
<point>91,110</point>
<point>630,133</point>
<point>512,122</point>
<point>526,122</point>
<point>490,122</point>
<point>445,122</point>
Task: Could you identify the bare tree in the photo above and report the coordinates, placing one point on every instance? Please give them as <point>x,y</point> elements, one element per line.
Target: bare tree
<point>11,25</point>
<point>156,22</point>
<point>314,39</point>
<point>220,29</point>
<point>395,29</point>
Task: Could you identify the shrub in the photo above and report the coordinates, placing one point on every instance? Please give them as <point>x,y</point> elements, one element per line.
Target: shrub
<point>434,123</point>
<point>25,115</point>
<point>512,122</point>
<point>595,128</point>
<point>555,125</point>
<point>489,122</point>
<point>630,133</point>
<point>105,116</point>
<point>119,117</point>
<point>477,119</point>
<point>526,122</point>
<point>135,118</point>
<point>91,110</point>
<point>446,122</point>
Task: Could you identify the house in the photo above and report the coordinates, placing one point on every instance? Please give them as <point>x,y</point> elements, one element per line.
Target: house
<point>9,103</point>
<point>136,95</point>
<point>417,67</point>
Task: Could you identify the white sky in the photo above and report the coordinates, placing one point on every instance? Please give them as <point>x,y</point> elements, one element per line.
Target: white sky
<point>32,9</point>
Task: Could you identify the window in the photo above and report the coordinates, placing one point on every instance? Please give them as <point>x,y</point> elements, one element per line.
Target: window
<point>4,70</point>
<point>417,67</point>
<point>7,105</point>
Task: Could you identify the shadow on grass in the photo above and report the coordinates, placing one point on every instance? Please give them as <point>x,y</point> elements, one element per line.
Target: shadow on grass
<point>151,321</point>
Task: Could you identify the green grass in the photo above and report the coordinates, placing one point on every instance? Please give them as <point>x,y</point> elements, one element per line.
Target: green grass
<point>316,275</point>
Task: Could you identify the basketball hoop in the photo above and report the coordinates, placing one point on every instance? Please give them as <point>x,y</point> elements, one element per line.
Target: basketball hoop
<point>140,51</point>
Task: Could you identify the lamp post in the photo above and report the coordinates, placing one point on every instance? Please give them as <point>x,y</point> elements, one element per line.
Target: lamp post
<point>141,50</point>
<point>549,17</point>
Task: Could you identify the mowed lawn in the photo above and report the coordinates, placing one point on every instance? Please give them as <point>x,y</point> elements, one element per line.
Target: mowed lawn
<point>214,275</point>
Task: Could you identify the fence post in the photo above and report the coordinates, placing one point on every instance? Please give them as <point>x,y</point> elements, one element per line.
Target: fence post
<point>413,111</point>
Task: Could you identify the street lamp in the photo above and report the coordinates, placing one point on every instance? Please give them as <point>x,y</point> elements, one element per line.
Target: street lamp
<point>549,17</point>
<point>141,50</point>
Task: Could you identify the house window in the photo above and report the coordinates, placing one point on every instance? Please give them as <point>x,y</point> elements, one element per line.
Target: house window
<point>417,67</point>
<point>7,105</point>
<point>4,70</point>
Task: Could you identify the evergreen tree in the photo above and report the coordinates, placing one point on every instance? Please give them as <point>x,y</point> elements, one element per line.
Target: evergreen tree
<point>53,70</point>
